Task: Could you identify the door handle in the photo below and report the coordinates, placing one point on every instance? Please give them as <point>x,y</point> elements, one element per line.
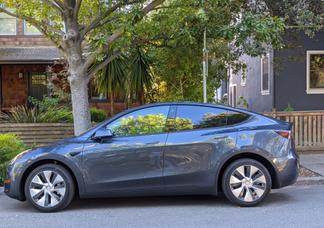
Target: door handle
<point>74,153</point>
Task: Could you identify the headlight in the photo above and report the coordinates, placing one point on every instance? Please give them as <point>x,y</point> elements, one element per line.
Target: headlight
<point>19,156</point>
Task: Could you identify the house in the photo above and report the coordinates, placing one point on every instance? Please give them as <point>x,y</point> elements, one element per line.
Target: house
<point>291,78</point>
<point>25,55</point>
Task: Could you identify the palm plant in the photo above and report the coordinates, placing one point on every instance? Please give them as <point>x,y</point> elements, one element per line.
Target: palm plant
<point>140,75</point>
<point>112,79</point>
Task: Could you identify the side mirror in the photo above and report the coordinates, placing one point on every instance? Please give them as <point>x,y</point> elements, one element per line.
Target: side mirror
<point>101,134</point>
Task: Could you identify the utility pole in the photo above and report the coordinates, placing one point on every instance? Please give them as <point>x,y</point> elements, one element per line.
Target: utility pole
<point>205,64</point>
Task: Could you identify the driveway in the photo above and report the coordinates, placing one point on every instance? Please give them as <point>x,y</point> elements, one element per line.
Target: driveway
<point>295,206</point>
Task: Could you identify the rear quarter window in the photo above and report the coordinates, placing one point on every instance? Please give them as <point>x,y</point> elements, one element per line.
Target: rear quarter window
<point>236,117</point>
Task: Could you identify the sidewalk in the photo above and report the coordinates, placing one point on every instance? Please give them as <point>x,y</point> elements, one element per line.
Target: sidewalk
<point>315,163</point>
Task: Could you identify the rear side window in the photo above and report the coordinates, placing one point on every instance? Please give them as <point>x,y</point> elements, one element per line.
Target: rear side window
<point>236,117</point>
<point>198,117</point>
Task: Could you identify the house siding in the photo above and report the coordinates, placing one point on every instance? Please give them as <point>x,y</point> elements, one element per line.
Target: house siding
<point>15,89</point>
<point>290,74</point>
<point>251,92</point>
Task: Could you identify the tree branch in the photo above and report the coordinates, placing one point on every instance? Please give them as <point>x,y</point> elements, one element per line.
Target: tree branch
<point>42,26</point>
<point>54,5</point>
<point>115,36</point>
<point>119,33</point>
<point>101,65</point>
<point>60,4</point>
<point>77,9</point>
<point>97,22</point>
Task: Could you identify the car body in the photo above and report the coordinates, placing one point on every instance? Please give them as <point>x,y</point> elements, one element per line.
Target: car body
<point>164,149</point>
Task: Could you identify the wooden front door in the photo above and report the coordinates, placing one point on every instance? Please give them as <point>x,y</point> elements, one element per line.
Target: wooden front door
<point>38,85</point>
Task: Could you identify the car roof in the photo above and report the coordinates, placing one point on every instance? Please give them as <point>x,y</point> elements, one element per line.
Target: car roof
<point>193,104</point>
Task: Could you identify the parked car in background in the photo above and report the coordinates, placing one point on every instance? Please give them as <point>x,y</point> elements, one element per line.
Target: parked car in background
<point>161,149</point>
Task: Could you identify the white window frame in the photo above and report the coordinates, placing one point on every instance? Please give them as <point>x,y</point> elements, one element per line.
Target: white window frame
<point>10,34</point>
<point>265,92</point>
<point>308,89</point>
<point>31,33</point>
<point>243,79</point>
<point>231,98</point>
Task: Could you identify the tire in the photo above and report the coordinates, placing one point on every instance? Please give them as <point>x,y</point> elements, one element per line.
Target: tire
<point>245,186</point>
<point>49,188</point>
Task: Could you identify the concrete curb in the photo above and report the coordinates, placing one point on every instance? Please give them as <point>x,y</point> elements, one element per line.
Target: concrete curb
<point>310,181</point>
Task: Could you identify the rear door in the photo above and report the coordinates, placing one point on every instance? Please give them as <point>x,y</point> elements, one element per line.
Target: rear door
<point>199,137</point>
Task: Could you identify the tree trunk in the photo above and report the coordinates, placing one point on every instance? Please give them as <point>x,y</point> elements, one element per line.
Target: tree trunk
<point>80,101</point>
<point>112,111</point>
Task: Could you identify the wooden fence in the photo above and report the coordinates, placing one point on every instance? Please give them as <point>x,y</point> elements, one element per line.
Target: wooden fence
<point>308,128</point>
<point>38,133</point>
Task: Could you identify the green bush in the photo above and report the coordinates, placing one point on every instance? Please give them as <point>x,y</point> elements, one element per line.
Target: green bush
<point>10,146</point>
<point>97,115</point>
<point>23,114</point>
<point>46,103</point>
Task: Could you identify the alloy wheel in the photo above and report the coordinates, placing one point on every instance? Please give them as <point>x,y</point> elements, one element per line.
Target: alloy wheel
<point>248,183</point>
<point>47,188</point>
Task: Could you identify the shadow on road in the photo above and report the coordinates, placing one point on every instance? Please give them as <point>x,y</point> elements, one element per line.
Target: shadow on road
<point>176,201</point>
<point>144,202</point>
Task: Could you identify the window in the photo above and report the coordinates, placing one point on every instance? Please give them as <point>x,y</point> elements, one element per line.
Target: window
<point>232,95</point>
<point>142,122</point>
<point>198,117</point>
<point>265,75</point>
<point>243,74</point>
<point>8,25</point>
<point>236,117</point>
<point>315,72</point>
<point>95,95</point>
<point>37,86</point>
<point>30,29</point>
<point>243,80</point>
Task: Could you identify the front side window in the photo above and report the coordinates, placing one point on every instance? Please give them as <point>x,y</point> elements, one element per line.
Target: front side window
<point>198,117</point>
<point>315,71</point>
<point>146,121</point>
<point>8,25</point>
<point>265,75</point>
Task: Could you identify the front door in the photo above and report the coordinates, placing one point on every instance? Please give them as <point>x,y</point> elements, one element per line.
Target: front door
<point>37,85</point>
<point>131,160</point>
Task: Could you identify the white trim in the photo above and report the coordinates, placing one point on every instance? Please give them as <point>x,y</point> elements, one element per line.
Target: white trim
<point>232,100</point>
<point>308,89</point>
<point>243,81</point>
<point>265,92</point>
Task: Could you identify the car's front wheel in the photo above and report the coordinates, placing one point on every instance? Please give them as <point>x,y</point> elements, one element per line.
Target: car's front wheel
<point>49,188</point>
<point>246,182</point>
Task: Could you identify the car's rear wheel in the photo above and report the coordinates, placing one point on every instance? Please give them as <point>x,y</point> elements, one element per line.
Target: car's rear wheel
<point>49,188</point>
<point>246,182</point>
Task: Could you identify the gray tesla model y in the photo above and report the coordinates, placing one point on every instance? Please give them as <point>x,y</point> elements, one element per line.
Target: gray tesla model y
<point>161,149</point>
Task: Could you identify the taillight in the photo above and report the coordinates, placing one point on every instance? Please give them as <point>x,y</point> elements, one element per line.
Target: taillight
<point>285,134</point>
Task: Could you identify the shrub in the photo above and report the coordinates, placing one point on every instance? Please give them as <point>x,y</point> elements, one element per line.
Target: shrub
<point>23,114</point>
<point>10,146</point>
<point>97,115</point>
<point>46,103</point>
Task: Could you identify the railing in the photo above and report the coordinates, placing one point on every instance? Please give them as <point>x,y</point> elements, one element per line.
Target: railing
<point>38,133</point>
<point>308,128</point>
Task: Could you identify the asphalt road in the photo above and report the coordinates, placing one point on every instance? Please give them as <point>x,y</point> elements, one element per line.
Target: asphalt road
<point>295,206</point>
